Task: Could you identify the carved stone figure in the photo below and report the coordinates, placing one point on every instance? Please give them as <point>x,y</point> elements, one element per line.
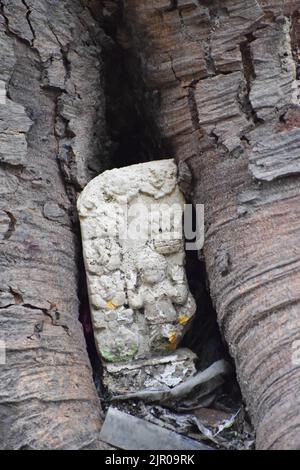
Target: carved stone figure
<point>131,223</point>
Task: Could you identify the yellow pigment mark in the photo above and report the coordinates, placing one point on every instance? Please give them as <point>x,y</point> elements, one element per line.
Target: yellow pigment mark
<point>183,319</point>
<point>172,338</point>
<point>110,305</point>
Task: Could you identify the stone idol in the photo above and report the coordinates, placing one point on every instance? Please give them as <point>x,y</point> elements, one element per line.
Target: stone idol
<point>132,231</point>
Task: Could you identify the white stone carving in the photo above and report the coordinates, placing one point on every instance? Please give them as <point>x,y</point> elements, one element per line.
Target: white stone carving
<point>131,224</point>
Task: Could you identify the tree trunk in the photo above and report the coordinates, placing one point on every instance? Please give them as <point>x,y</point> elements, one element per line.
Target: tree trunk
<point>213,83</point>
<point>220,80</point>
<point>51,145</point>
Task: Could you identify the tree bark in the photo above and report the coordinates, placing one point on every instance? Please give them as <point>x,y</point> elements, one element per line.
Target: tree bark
<point>217,85</point>
<point>53,140</point>
<point>222,81</point>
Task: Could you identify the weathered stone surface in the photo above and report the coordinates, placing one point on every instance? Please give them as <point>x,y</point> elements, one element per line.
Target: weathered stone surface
<point>157,373</point>
<point>139,296</point>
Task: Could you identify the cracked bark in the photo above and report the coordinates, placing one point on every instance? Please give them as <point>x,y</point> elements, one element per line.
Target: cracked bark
<point>53,140</point>
<point>213,83</point>
<point>229,108</point>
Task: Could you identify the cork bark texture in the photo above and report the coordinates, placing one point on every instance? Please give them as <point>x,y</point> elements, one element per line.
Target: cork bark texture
<point>48,115</point>
<point>221,79</point>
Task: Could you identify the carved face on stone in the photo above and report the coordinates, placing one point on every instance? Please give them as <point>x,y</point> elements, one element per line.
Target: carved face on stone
<point>151,266</point>
<point>138,292</point>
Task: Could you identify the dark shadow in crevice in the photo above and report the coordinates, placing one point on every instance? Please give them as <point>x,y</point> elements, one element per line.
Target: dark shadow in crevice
<point>204,337</point>
<point>85,319</point>
<point>129,105</point>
